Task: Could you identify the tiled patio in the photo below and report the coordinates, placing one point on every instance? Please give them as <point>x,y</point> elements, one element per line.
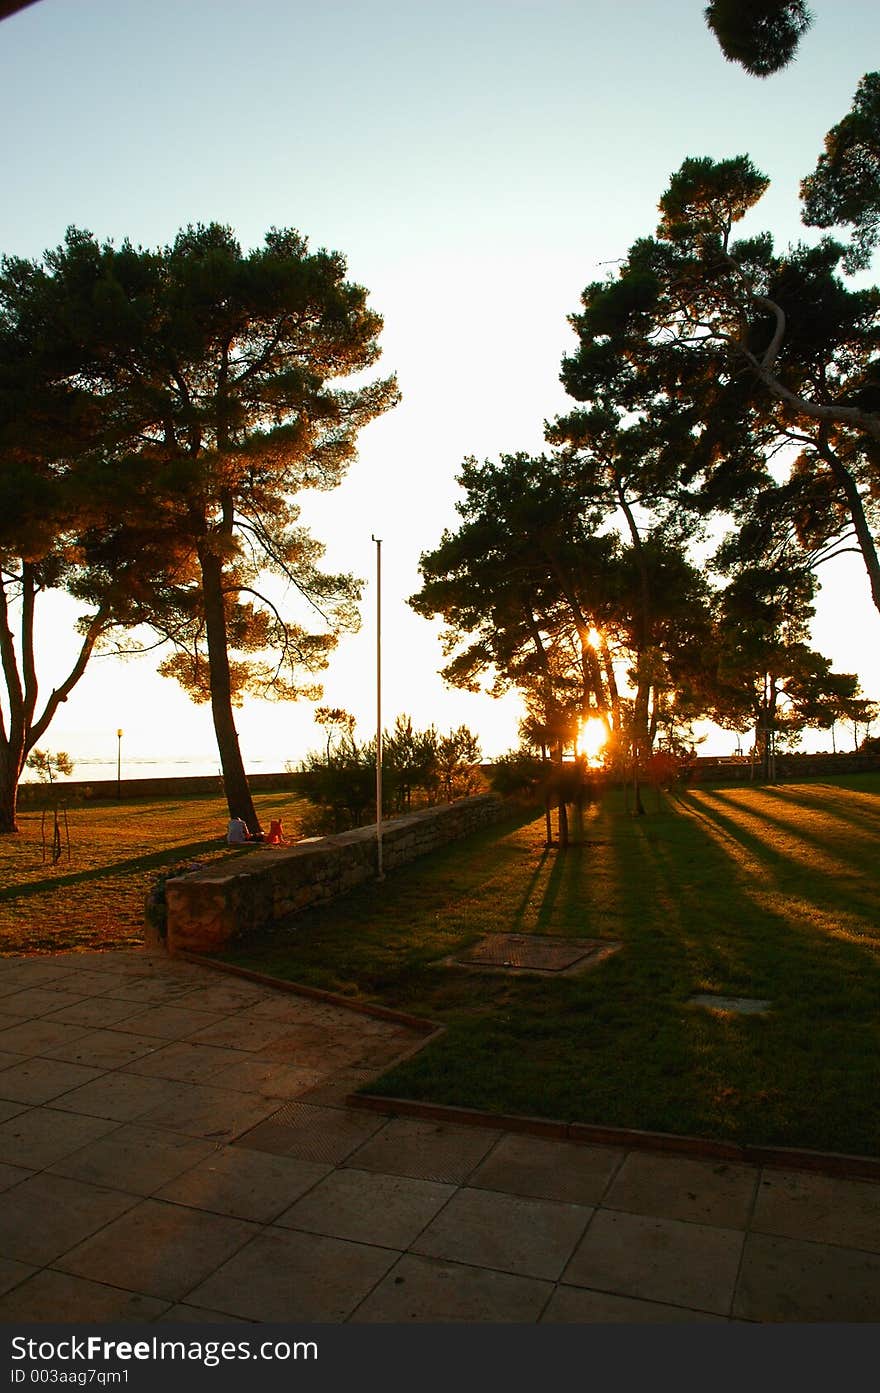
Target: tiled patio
<point>174,1146</point>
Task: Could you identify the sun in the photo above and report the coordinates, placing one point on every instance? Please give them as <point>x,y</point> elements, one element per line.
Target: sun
<point>592,738</point>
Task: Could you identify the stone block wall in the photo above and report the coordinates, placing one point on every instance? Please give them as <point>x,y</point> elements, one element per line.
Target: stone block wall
<point>215,908</point>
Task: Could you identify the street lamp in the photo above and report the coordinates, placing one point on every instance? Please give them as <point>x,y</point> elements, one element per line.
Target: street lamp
<point>379,872</point>
<point>118,764</point>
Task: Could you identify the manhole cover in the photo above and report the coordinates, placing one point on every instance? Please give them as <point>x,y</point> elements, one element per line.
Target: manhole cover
<point>743,1005</point>
<point>534,953</point>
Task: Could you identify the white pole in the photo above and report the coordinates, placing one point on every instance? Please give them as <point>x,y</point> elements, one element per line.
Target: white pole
<point>379,871</point>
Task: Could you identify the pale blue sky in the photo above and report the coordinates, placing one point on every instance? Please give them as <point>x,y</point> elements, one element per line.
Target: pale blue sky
<point>478,163</point>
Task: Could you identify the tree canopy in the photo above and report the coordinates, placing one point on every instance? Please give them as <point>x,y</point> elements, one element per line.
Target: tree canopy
<point>203,379</point>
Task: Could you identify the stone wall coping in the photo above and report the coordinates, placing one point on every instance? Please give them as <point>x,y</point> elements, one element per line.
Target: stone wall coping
<point>259,859</point>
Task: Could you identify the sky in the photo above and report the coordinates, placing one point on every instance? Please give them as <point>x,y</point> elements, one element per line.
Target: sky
<point>478,163</point>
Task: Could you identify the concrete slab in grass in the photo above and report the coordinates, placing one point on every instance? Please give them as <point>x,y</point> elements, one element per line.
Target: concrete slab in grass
<point>387,1210</point>
<point>39,1137</point>
<point>134,1158</point>
<point>57,1296</point>
<point>46,1215</point>
<point>245,1184</point>
<point>548,1169</point>
<point>574,1306</point>
<point>40,1080</point>
<point>534,1238</point>
<point>159,1249</point>
<point>681,1187</point>
<point>785,1280</point>
<point>731,1005</point>
<point>287,1276</point>
<point>426,1150</point>
<point>424,1290</point>
<point>820,1208</point>
<point>664,1260</point>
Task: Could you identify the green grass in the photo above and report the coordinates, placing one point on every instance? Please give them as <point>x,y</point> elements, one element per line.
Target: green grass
<point>95,899</point>
<point>763,892</point>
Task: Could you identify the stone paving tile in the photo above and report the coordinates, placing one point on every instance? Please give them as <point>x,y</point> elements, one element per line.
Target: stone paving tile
<point>159,990</point>
<point>41,1080</point>
<point>11,1175</point>
<point>9,1110</point>
<point>822,1208</point>
<point>659,1260</point>
<point>59,1297</point>
<point>96,1011</point>
<point>420,1289</point>
<point>245,1184</point>
<point>158,1249</point>
<point>334,1088</point>
<point>118,1095</point>
<point>102,1049</point>
<point>94,983</point>
<point>389,1211</point>
<point>533,1238</point>
<point>425,1150</point>
<point>575,1306</point>
<point>311,1133</point>
<point>223,998</point>
<point>136,1157</point>
<point>185,1314</point>
<point>39,1137</point>
<point>548,1169</point>
<point>34,1002</point>
<point>680,1187</point>
<point>40,1037</point>
<point>47,1214</point>
<point>786,1280</point>
<point>200,1110</point>
<point>185,1062</point>
<point>272,1078</point>
<point>173,1022</point>
<point>32,972</point>
<point>288,1276</point>
<point>7,1058</point>
<point>242,1031</point>
<point>12,1273</point>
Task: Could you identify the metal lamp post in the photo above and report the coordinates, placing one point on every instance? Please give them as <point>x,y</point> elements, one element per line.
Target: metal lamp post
<point>379,872</point>
<point>118,764</point>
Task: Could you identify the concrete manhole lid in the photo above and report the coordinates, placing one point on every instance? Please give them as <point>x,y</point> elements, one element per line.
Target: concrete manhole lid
<point>742,1005</point>
<point>534,953</point>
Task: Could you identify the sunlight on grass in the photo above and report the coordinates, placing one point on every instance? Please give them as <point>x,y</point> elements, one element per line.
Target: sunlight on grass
<point>96,898</point>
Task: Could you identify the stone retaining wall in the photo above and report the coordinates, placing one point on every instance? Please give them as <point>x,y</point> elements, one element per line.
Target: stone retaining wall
<point>214,908</point>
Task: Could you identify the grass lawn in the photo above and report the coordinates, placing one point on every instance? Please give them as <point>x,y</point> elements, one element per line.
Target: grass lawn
<point>96,898</point>
<point>759,892</point>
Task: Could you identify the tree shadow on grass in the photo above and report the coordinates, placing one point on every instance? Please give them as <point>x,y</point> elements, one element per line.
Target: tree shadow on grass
<point>156,860</point>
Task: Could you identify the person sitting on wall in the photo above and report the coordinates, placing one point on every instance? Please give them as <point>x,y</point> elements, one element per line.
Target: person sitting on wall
<point>275,836</point>
<point>237,833</point>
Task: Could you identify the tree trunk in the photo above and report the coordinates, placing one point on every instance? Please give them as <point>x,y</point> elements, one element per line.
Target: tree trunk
<point>10,772</point>
<point>238,794</point>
